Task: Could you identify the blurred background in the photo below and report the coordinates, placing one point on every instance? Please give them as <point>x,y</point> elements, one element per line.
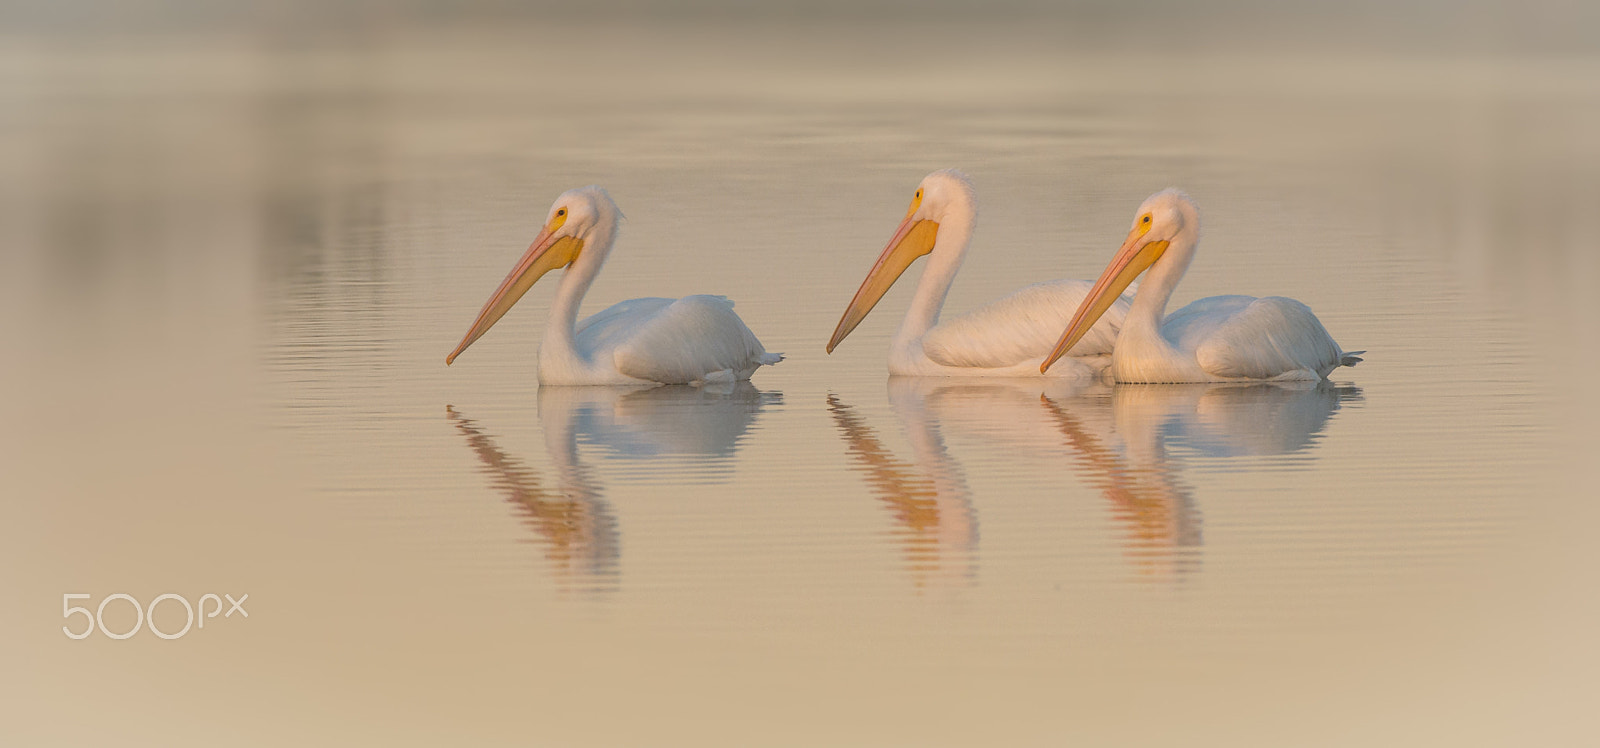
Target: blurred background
<point>236,239</point>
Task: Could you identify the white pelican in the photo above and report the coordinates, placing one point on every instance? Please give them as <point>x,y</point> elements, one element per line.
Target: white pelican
<point>692,340</point>
<point>1007,337</point>
<point>1216,339</point>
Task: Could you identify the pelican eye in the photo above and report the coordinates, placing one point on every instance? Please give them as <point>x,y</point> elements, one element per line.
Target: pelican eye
<point>558,220</point>
<point>1147,219</point>
<point>919,194</point>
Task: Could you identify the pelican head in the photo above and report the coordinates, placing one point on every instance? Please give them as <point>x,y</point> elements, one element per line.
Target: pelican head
<point>575,217</point>
<point>940,195</point>
<point>1162,217</point>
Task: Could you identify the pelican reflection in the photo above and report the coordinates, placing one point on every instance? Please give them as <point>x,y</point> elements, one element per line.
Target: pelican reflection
<point>627,422</point>
<point>928,494</point>
<point>565,504</point>
<point>575,524</point>
<point>1134,443</point>
<point>1157,431</point>
<point>935,526</point>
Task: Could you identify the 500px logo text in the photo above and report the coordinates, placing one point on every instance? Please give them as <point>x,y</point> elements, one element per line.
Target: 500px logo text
<point>145,615</point>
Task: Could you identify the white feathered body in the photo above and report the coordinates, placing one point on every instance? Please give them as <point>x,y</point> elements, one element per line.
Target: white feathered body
<point>1226,339</point>
<point>1010,336</point>
<point>693,340</point>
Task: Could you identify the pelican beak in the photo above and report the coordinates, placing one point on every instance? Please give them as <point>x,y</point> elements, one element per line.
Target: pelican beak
<point>547,253</point>
<point>912,240</point>
<point>1136,256</point>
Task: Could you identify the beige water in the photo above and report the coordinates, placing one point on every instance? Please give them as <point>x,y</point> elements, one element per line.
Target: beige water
<point>233,267</point>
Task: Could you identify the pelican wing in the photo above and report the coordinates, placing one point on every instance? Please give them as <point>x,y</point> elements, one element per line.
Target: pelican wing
<point>692,339</point>
<point>1245,337</point>
<point>1190,327</point>
<point>608,328</point>
<point>1021,327</point>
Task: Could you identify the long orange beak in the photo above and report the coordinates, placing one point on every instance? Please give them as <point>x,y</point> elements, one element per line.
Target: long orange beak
<point>1135,257</point>
<point>545,254</point>
<point>912,240</point>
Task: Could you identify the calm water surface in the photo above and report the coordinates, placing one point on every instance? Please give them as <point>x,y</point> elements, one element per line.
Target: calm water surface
<point>233,272</point>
